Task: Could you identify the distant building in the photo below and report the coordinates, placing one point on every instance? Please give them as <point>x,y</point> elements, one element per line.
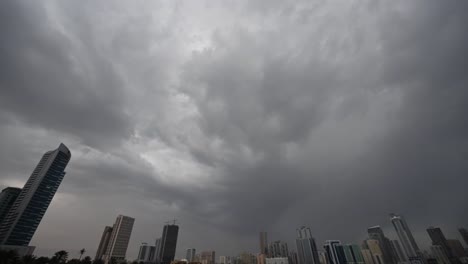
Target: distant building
<point>306,248</point>
<point>145,253</point>
<point>246,258</point>
<point>323,257</point>
<point>457,248</point>
<point>263,243</point>
<point>25,214</point>
<point>120,236</point>
<point>190,256</point>
<point>438,253</point>
<point>103,244</point>
<point>389,256</point>
<point>405,236</point>
<point>278,249</point>
<point>367,255</point>
<point>293,259</point>
<point>353,254</point>
<point>207,257</point>
<point>438,239</point>
<point>157,252</point>
<point>168,243</point>
<point>374,247</point>
<point>398,251</point>
<point>464,234</point>
<point>335,252</point>
<point>261,258</point>
<point>279,260</point>
<point>7,198</point>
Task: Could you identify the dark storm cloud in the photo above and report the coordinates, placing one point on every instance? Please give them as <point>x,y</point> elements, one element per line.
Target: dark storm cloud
<point>51,80</point>
<point>240,117</point>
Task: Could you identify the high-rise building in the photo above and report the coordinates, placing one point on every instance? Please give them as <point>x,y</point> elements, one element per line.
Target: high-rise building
<point>104,243</point>
<point>306,247</point>
<point>207,257</point>
<point>263,243</point>
<point>168,243</point>
<point>247,258</point>
<point>375,249</point>
<point>353,254</point>
<point>456,248</point>
<point>438,252</point>
<point>24,216</point>
<point>405,236</point>
<point>278,249</point>
<point>438,239</point>
<point>377,233</point>
<point>293,258</point>
<point>120,236</point>
<point>190,256</point>
<point>464,234</point>
<point>398,251</point>
<point>367,255</point>
<point>7,198</point>
<point>335,252</point>
<point>145,253</point>
<point>157,255</point>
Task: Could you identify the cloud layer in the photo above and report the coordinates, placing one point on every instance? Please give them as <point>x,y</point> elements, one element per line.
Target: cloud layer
<point>238,116</point>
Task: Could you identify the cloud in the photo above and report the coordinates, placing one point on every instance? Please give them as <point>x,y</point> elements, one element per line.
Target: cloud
<point>237,117</point>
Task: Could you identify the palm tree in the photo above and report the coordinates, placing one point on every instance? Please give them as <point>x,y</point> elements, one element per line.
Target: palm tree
<point>60,257</point>
<point>82,251</point>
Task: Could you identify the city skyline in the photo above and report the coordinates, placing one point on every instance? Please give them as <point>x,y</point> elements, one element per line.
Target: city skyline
<point>239,116</point>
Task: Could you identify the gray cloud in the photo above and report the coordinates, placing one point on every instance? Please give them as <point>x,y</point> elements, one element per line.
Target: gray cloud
<point>238,117</point>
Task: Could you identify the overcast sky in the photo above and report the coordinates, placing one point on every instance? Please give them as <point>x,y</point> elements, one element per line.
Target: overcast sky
<point>238,116</point>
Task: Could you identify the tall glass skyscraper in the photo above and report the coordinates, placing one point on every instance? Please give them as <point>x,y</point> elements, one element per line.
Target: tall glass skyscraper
<point>27,211</point>
<point>306,247</point>
<point>406,237</point>
<point>168,243</point>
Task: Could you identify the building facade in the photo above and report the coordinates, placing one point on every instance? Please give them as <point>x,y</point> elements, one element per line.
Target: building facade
<point>388,254</point>
<point>168,243</point>
<point>24,216</point>
<point>438,239</point>
<point>353,254</point>
<point>306,247</point>
<point>104,243</point>
<point>119,238</point>
<point>7,198</point>
<point>263,243</point>
<point>208,257</point>
<point>464,234</point>
<point>335,252</point>
<point>190,255</point>
<point>375,250</point>
<point>278,249</point>
<point>405,236</point>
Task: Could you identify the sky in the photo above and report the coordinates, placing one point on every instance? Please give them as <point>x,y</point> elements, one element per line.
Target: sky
<point>236,116</point>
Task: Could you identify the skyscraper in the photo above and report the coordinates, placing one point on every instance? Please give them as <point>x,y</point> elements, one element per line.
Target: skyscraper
<point>105,238</point>
<point>278,249</point>
<point>168,243</point>
<point>207,257</point>
<point>306,247</point>
<point>353,254</point>
<point>401,257</point>
<point>405,236</point>
<point>119,238</point>
<point>438,239</point>
<point>375,249</point>
<point>457,248</point>
<point>464,234</point>
<point>438,253</point>
<point>7,198</point>
<point>377,233</point>
<point>24,216</point>
<point>263,243</point>
<point>190,254</point>
<point>335,252</point>
<point>145,253</point>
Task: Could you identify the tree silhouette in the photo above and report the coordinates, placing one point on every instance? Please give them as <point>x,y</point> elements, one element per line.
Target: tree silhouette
<point>82,251</point>
<point>59,257</point>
